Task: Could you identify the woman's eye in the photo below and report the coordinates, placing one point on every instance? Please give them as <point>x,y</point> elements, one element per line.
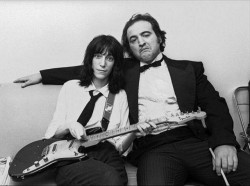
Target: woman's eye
<point>98,55</point>
<point>110,58</point>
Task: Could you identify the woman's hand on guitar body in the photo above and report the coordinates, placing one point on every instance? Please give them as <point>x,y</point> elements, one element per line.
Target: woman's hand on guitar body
<point>77,130</point>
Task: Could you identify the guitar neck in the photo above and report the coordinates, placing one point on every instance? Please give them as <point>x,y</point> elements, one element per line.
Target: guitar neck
<point>174,119</point>
<point>115,132</point>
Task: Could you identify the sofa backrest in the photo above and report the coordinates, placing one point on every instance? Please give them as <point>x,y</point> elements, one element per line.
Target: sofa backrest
<point>24,114</point>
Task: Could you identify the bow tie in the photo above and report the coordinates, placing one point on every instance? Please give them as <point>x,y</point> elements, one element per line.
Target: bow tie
<point>155,64</point>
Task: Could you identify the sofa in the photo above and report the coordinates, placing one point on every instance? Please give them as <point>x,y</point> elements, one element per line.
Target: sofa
<point>24,116</point>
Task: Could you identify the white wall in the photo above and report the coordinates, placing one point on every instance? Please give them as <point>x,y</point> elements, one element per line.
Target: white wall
<point>39,34</point>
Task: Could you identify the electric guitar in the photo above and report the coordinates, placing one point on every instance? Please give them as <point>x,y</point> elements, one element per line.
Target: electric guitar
<point>41,154</point>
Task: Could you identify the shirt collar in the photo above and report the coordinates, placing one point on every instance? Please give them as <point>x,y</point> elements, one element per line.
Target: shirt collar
<point>156,59</point>
<point>104,90</point>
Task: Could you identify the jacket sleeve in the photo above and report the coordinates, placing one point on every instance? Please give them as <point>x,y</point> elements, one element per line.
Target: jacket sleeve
<point>219,121</point>
<point>58,76</point>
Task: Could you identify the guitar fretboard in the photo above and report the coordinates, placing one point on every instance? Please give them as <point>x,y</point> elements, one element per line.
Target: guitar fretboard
<point>177,119</point>
<point>116,132</point>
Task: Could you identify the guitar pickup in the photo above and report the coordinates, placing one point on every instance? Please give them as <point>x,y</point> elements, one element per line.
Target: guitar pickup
<point>54,148</point>
<point>94,130</point>
<point>45,151</point>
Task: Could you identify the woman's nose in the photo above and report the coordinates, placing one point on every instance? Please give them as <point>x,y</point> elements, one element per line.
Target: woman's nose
<point>103,61</point>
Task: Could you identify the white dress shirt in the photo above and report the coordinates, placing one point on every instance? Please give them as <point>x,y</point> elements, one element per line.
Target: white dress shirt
<point>157,98</point>
<point>72,100</point>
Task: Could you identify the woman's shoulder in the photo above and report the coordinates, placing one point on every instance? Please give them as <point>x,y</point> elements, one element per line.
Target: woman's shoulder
<point>71,84</point>
<point>122,94</point>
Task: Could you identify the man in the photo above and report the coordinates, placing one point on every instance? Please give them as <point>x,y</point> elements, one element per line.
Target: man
<point>169,157</point>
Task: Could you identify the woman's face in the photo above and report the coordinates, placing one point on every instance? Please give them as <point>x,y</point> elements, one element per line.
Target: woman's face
<point>102,65</point>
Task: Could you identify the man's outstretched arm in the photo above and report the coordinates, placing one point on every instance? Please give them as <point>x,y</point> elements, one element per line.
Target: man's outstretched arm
<point>54,76</point>
<point>29,80</point>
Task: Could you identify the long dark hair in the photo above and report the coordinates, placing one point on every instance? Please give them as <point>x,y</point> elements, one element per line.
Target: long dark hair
<point>155,26</point>
<point>102,44</point>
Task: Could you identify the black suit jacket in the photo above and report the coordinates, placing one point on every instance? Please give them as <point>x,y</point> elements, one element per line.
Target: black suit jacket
<point>192,90</point>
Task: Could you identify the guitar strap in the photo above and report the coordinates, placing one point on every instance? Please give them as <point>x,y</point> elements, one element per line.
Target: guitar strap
<point>105,121</point>
<point>107,111</point>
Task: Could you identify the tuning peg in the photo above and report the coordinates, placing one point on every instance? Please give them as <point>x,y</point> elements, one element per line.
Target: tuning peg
<point>36,163</point>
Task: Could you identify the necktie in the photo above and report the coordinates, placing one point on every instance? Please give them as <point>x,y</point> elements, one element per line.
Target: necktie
<point>155,64</point>
<point>88,110</point>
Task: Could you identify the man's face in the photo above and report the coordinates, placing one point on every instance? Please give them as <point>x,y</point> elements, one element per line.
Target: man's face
<point>143,41</point>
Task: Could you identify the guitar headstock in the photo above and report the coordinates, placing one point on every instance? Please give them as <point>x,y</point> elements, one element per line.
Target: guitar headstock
<point>185,117</point>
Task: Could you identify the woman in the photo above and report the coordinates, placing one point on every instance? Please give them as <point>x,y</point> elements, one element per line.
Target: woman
<point>101,73</point>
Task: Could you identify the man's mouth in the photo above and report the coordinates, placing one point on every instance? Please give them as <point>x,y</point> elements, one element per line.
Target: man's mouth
<point>144,50</point>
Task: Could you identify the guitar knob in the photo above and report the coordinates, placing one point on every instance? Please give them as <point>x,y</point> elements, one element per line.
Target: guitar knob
<point>36,163</point>
<point>81,149</point>
<point>45,159</point>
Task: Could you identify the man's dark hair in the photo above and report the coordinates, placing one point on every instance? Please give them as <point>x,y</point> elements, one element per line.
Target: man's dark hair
<point>155,26</point>
<point>104,44</point>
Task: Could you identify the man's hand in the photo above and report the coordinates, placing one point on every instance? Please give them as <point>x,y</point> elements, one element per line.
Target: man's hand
<point>225,159</point>
<point>29,80</point>
<point>147,127</point>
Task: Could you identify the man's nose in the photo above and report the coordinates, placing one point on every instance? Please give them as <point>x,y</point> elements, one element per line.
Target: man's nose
<point>141,41</point>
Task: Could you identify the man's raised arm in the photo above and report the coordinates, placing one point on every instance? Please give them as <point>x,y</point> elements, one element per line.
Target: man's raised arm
<point>54,76</point>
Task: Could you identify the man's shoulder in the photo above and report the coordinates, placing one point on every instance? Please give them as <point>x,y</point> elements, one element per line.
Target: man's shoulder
<point>130,64</point>
<point>182,63</point>
<point>130,61</point>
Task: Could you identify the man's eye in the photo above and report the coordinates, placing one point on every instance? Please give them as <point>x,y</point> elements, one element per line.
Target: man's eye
<point>146,35</point>
<point>132,40</point>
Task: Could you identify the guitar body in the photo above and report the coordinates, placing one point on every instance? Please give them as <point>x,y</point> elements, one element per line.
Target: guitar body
<point>41,154</point>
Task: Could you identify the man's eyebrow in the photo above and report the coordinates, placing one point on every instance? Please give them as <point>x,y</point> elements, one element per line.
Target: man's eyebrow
<point>144,32</point>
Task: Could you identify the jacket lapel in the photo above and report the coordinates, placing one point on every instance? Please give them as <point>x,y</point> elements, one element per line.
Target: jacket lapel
<point>183,80</point>
<point>132,76</point>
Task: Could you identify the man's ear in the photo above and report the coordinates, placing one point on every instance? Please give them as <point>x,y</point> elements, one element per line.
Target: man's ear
<point>159,40</point>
